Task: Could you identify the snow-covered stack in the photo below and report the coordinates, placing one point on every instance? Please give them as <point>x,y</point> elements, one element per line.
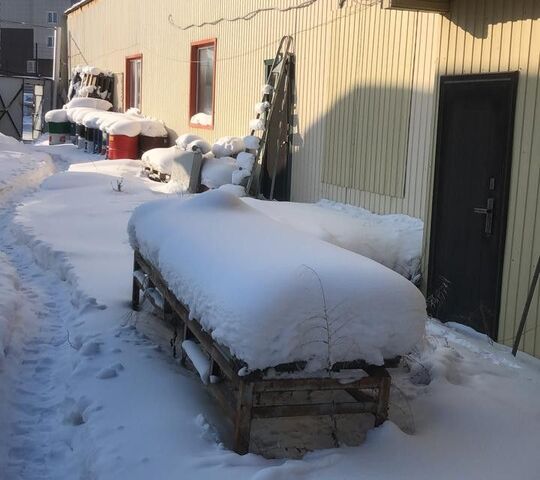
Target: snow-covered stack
<point>303,300</point>
<point>90,81</point>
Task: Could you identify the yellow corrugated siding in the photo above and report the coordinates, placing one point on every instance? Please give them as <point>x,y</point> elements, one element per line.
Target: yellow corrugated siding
<point>334,49</point>
<point>409,149</point>
<point>369,100</point>
<point>495,36</point>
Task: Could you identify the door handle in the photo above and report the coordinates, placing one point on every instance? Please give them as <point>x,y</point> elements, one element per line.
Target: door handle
<point>488,212</point>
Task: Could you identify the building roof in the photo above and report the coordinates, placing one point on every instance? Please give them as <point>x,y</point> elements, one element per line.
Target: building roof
<point>77,6</point>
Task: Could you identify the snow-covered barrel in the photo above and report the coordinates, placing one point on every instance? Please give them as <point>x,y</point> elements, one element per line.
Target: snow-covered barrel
<point>59,126</point>
<point>153,135</point>
<point>89,137</point>
<point>124,139</point>
<point>98,141</point>
<point>104,142</point>
<point>123,147</point>
<point>149,143</point>
<point>91,121</point>
<point>73,133</point>
<point>81,135</point>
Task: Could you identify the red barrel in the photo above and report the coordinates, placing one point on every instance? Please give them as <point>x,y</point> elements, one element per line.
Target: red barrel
<point>121,146</point>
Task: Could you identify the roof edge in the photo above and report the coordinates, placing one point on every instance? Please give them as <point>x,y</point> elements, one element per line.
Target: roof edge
<point>77,6</point>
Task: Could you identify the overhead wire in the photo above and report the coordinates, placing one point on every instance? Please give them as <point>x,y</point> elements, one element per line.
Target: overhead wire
<point>246,17</point>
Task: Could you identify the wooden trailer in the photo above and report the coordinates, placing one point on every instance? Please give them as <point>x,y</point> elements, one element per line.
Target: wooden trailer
<point>255,395</point>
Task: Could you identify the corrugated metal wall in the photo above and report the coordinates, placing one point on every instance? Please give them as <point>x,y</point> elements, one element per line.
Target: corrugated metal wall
<point>370,100</point>
<point>380,141</point>
<point>335,58</point>
<point>354,66</point>
<point>500,36</point>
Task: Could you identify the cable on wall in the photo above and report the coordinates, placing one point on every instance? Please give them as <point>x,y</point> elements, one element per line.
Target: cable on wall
<point>246,17</point>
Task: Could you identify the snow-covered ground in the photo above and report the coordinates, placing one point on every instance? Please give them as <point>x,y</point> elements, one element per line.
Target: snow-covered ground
<point>89,390</point>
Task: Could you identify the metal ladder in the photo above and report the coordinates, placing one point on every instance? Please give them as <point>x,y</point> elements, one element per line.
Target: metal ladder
<point>281,68</point>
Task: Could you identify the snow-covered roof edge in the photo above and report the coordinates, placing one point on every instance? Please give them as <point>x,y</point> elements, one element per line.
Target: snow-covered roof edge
<point>77,5</point>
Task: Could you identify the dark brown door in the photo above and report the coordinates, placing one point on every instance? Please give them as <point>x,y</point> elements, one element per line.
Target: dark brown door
<point>472,171</point>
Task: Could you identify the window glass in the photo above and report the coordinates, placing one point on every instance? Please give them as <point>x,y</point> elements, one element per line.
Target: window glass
<point>52,17</point>
<point>205,79</point>
<point>135,73</point>
<point>50,42</point>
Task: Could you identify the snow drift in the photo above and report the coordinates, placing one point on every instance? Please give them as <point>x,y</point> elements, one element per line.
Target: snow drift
<point>392,240</point>
<point>273,294</point>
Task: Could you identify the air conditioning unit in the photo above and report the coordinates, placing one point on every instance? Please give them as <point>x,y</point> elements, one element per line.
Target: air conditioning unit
<point>30,66</point>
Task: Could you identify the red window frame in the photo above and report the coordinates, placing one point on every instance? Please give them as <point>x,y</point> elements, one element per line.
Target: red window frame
<point>193,81</point>
<point>127,86</point>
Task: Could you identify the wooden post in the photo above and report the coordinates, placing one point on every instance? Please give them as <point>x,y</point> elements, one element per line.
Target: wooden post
<point>242,424</point>
<point>383,399</point>
<point>167,311</point>
<point>135,297</point>
<point>526,308</point>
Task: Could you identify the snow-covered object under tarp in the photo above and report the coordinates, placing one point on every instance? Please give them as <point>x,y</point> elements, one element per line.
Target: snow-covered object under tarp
<point>184,140</point>
<point>161,159</point>
<point>272,294</point>
<point>393,240</point>
<point>228,146</point>
<point>217,171</point>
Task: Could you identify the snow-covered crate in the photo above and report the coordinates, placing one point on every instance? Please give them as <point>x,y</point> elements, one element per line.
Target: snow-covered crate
<point>292,325</point>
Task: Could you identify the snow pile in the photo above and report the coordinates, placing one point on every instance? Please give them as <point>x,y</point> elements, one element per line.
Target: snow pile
<point>184,140</point>
<point>20,166</point>
<point>96,103</point>
<point>153,128</point>
<point>202,119</point>
<point>150,127</point>
<point>287,296</point>
<point>391,240</point>
<point>188,141</point>
<point>257,124</point>
<point>245,161</point>
<point>262,107</point>
<point>89,69</point>
<point>161,159</point>
<point>217,171</point>
<point>125,126</point>
<point>252,142</point>
<point>56,116</point>
<point>228,147</point>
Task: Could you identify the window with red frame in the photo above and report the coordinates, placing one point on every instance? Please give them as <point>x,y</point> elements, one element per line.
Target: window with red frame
<point>133,81</point>
<point>203,72</point>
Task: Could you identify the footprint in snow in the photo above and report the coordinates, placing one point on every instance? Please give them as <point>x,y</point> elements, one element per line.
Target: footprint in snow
<point>110,372</point>
<point>90,348</point>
